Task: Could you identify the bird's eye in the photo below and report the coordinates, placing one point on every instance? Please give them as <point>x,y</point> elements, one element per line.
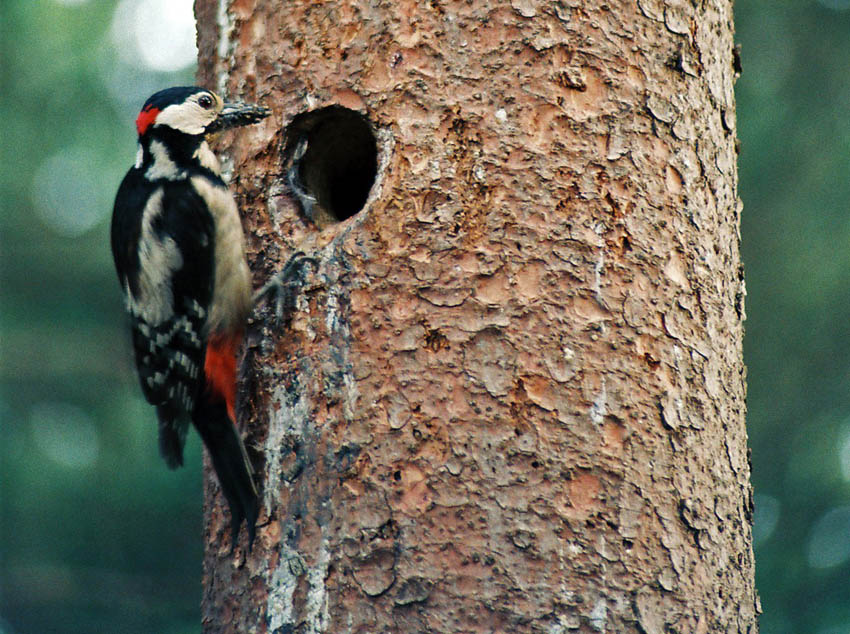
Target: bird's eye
<point>205,101</point>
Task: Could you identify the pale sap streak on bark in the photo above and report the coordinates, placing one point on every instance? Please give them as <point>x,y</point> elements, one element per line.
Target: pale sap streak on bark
<point>317,596</point>
<point>226,25</point>
<point>280,610</point>
<point>599,409</point>
<point>281,587</point>
<point>287,422</point>
<point>597,278</point>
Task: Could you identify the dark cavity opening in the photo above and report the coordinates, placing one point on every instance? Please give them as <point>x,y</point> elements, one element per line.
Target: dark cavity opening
<point>331,160</point>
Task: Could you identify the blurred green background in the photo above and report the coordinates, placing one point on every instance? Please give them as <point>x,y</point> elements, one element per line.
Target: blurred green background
<point>97,536</point>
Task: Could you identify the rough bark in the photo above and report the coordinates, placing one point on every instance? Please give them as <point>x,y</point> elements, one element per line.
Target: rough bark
<point>512,395</point>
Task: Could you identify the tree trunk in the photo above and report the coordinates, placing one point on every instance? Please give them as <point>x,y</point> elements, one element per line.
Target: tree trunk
<point>511,397</point>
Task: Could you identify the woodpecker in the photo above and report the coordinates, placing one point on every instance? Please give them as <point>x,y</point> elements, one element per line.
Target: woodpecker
<point>178,247</point>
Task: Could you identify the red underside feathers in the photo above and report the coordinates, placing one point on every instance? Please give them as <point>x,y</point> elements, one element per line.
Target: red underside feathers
<point>145,119</point>
<point>220,369</point>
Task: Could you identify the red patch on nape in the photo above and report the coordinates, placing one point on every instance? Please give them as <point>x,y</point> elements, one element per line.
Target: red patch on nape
<point>146,117</point>
<point>220,369</point>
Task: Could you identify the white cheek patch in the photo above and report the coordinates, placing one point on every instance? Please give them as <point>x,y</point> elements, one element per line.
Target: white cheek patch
<point>186,117</point>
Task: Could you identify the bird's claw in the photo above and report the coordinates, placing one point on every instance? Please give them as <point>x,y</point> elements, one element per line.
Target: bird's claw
<point>280,291</point>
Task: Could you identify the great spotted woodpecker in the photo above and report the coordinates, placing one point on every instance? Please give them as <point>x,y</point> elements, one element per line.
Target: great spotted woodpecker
<point>178,247</point>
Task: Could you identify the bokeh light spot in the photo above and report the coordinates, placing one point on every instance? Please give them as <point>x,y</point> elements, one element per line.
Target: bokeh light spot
<point>65,434</point>
<point>828,544</point>
<point>66,194</point>
<point>766,517</point>
<point>844,451</point>
<point>155,34</point>
<point>836,5</point>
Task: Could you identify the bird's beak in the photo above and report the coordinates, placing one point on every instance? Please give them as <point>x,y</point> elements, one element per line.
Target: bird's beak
<point>233,115</point>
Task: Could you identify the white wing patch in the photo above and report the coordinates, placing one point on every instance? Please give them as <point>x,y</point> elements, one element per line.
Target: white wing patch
<point>158,259</point>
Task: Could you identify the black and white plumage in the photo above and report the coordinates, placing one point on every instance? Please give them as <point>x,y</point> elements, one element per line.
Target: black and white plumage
<point>178,247</point>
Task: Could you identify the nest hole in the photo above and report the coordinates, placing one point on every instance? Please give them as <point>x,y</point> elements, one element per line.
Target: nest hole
<point>331,160</point>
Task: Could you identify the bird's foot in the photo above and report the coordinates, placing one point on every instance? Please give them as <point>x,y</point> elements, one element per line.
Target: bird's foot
<point>280,292</point>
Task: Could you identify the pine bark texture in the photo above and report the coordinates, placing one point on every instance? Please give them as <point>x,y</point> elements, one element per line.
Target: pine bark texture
<point>512,396</point>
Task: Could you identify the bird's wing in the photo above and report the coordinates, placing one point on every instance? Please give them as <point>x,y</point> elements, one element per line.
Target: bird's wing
<point>162,241</point>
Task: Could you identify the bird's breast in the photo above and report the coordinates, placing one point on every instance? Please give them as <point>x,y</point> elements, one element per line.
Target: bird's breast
<point>231,302</point>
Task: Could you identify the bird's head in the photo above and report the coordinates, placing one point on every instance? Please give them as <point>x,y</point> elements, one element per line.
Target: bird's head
<point>194,111</point>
